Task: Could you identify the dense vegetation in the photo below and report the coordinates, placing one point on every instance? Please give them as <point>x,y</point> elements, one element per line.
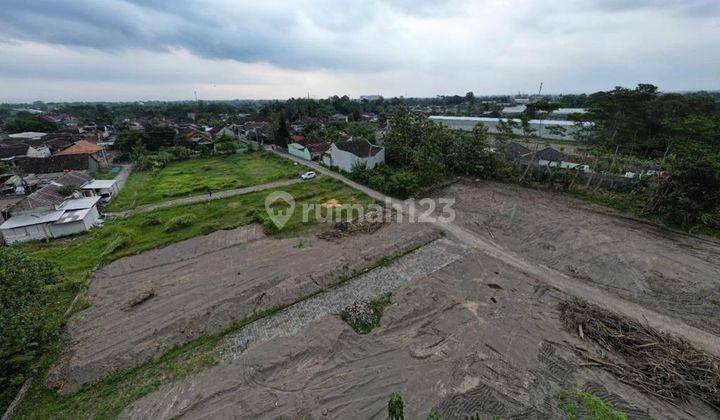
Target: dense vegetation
<point>654,131</point>
<point>26,321</point>
<point>25,121</point>
<point>646,123</point>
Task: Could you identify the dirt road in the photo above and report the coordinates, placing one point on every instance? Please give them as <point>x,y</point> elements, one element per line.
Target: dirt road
<point>472,232</point>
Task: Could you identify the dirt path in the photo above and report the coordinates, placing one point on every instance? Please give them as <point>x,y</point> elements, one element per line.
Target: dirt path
<point>557,279</point>
<point>205,197</point>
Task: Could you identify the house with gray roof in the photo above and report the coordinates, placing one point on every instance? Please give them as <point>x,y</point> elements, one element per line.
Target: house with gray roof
<point>345,154</point>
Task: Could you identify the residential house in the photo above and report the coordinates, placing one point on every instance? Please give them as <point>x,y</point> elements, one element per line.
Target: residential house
<point>28,135</point>
<point>369,117</point>
<point>68,218</point>
<point>345,154</point>
<point>38,152</point>
<point>106,189</point>
<point>232,130</point>
<point>516,151</point>
<point>196,138</point>
<point>47,197</point>
<point>84,147</point>
<point>307,148</point>
<point>339,118</point>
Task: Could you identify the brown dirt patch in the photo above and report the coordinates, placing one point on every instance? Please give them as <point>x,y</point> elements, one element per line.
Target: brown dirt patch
<point>475,337</point>
<point>203,285</point>
<point>671,273</point>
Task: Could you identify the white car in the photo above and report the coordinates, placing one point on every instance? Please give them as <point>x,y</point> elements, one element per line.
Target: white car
<point>308,175</point>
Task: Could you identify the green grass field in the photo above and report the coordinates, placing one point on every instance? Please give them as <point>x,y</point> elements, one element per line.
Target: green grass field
<point>196,176</point>
<point>77,256</point>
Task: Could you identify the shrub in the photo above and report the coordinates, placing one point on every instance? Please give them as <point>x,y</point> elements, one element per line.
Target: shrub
<point>151,221</point>
<point>179,222</point>
<point>363,316</point>
<point>116,243</point>
<point>26,320</point>
<point>396,410</point>
<point>67,190</point>
<point>433,415</point>
<point>268,226</point>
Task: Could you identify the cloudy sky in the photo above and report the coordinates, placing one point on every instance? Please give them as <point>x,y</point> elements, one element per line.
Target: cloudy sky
<point>227,49</point>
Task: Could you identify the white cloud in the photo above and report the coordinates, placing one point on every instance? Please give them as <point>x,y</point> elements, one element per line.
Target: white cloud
<point>83,49</point>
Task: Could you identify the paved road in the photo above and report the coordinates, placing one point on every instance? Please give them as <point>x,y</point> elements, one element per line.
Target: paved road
<point>205,197</point>
<point>553,278</point>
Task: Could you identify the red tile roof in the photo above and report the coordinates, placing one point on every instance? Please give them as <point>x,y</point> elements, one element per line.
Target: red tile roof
<point>82,147</point>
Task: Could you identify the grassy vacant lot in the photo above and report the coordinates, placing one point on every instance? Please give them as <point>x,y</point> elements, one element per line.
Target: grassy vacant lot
<point>77,256</point>
<point>196,176</point>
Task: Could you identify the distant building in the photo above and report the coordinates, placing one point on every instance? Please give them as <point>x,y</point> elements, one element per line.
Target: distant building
<point>28,135</point>
<point>346,154</point>
<point>106,189</point>
<point>370,97</point>
<point>310,148</point>
<point>339,118</point>
<point>84,147</point>
<point>369,117</point>
<point>38,152</point>
<point>539,126</point>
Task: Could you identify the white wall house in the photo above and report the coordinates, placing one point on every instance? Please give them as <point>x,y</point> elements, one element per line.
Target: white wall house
<point>29,227</point>
<point>105,188</point>
<point>345,154</point>
<point>71,217</point>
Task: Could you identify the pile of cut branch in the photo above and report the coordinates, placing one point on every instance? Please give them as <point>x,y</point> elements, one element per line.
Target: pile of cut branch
<point>655,362</point>
<point>369,223</point>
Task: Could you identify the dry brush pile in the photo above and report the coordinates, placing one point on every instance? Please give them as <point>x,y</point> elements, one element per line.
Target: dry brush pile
<point>654,362</point>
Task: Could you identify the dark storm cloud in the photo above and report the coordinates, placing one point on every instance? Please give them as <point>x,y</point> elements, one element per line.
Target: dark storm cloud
<point>282,33</point>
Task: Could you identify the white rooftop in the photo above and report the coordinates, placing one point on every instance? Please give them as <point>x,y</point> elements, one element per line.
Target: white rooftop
<point>96,184</point>
<point>32,219</point>
<point>79,203</point>
<point>495,120</point>
<point>72,216</point>
<point>28,135</point>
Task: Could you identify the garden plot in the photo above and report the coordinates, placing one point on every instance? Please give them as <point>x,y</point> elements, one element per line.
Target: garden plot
<point>141,306</point>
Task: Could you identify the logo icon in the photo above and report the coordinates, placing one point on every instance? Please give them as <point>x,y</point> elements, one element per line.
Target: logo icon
<point>279,217</point>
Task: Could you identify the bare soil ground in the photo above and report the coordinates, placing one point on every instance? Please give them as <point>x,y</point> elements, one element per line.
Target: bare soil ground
<point>143,305</point>
<point>671,273</point>
<point>472,337</point>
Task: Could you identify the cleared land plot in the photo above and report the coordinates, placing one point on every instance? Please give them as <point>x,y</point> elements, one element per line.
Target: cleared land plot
<point>142,306</point>
<point>77,256</point>
<point>196,176</point>
<point>672,273</point>
<point>472,337</point>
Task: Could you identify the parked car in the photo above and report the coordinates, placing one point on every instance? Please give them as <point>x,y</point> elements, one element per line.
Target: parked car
<point>308,175</point>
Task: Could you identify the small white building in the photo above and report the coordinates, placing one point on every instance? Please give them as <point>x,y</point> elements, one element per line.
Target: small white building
<point>28,135</point>
<point>29,227</point>
<point>105,188</point>
<point>79,215</point>
<point>345,154</point>
<point>38,152</point>
<point>71,217</point>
